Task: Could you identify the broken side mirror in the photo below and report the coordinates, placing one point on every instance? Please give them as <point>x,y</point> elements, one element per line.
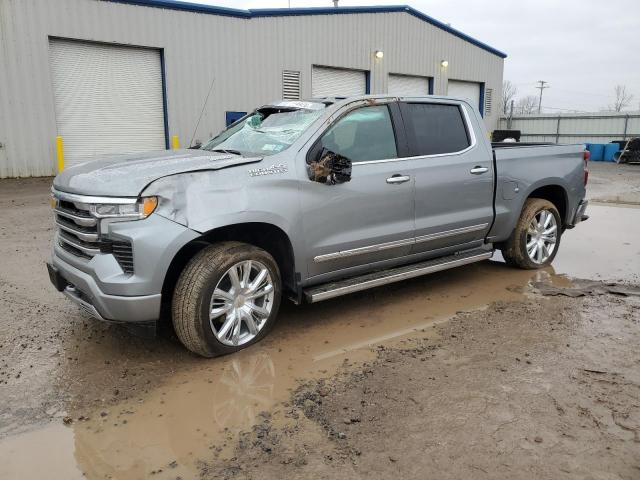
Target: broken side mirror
<point>331,168</point>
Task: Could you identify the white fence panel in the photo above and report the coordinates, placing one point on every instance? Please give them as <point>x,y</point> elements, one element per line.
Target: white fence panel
<point>577,128</point>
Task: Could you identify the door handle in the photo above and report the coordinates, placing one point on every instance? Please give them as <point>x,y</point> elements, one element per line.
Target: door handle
<point>397,178</point>
<point>478,170</point>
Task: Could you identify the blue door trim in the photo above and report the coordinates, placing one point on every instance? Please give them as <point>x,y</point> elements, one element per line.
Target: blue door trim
<point>164,99</point>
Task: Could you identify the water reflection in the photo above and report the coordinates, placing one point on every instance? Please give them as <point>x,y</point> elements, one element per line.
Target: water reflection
<point>247,388</point>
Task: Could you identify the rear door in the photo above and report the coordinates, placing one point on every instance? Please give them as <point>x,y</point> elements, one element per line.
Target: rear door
<point>369,219</point>
<point>453,175</point>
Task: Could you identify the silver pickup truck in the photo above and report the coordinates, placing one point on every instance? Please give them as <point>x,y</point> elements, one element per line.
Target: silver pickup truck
<point>308,200</point>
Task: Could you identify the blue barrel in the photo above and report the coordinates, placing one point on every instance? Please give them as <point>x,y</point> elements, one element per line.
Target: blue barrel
<point>610,149</point>
<point>597,152</point>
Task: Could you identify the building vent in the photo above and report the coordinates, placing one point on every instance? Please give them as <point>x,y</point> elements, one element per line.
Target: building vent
<point>488,101</point>
<point>290,85</point>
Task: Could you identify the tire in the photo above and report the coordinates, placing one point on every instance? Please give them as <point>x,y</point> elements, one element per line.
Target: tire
<point>515,251</point>
<point>194,301</point>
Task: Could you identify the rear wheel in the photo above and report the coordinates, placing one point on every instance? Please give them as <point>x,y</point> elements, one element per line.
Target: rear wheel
<point>536,238</point>
<point>226,298</point>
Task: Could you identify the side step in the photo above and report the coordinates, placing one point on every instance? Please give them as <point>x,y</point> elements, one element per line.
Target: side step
<point>397,274</point>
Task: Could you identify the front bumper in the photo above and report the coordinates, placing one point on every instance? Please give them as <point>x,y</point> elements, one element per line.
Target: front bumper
<point>82,289</point>
<point>102,288</point>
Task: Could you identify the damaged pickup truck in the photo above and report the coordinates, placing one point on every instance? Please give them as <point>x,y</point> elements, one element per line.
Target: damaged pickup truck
<point>305,200</point>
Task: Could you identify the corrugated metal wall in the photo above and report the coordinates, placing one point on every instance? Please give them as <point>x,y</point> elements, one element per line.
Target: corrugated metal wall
<point>245,58</point>
<point>587,128</point>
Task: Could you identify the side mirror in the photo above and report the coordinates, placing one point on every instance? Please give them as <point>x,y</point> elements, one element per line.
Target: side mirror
<point>331,168</point>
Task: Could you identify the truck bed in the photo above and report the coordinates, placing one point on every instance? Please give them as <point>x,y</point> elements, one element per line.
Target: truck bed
<point>522,168</point>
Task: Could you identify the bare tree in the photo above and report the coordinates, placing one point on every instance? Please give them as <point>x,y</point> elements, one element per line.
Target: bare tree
<point>623,99</point>
<point>526,105</point>
<point>509,92</point>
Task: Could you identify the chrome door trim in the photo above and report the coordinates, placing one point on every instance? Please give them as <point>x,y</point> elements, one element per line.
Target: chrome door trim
<point>450,233</point>
<point>363,250</point>
<point>398,243</point>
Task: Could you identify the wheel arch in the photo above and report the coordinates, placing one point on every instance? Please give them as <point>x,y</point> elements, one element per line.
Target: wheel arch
<point>267,236</point>
<point>556,194</point>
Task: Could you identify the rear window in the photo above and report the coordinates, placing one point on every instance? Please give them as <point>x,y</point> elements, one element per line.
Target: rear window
<point>435,128</point>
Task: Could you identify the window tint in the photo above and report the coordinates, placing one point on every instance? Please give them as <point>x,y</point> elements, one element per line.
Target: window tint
<point>363,134</point>
<point>435,128</point>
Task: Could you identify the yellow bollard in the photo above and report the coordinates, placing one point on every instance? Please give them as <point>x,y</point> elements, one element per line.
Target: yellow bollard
<point>175,142</point>
<point>60,153</point>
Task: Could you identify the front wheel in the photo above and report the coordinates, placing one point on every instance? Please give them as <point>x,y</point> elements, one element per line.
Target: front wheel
<point>226,298</point>
<point>536,238</point>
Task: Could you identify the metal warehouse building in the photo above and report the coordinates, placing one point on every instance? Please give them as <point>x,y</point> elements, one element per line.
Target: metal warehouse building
<point>123,76</point>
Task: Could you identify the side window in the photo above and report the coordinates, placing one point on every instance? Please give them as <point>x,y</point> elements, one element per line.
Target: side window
<point>435,128</point>
<point>363,134</point>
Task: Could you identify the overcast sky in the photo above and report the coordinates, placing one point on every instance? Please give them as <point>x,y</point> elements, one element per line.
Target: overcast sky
<point>583,48</point>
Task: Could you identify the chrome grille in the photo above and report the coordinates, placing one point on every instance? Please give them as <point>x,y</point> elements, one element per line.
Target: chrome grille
<point>77,228</point>
<point>79,231</point>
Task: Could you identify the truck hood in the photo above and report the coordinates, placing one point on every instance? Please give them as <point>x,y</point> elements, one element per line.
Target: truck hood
<point>128,175</point>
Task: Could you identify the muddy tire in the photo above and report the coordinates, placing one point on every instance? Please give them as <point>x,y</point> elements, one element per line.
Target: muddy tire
<point>535,240</point>
<point>226,298</point>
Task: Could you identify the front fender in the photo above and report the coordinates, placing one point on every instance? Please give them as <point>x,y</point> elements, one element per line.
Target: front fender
<point>205,201</point>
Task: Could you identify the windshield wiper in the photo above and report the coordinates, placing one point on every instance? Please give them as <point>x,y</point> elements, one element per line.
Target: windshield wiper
<point>227,150</point>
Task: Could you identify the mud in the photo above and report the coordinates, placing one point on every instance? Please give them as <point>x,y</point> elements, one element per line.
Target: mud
<point>539,389</point>
<point>96,401</point>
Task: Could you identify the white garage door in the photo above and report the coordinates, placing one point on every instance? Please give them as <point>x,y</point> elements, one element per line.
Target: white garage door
<point>337,82</point>
<point>108,99</point>
<point>466,90</point>
<point>406,85</point>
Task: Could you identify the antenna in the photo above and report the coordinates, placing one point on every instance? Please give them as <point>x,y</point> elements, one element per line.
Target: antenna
<point>541,87</point>
<point>213,79</point>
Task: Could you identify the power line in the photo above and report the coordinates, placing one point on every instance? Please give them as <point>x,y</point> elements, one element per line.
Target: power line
<point>583,93</point>
<point>566,109</point>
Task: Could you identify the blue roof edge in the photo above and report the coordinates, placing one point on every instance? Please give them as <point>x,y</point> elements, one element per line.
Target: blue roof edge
<point>285,12</point>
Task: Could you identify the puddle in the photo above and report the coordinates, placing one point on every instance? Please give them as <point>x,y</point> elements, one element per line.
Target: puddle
<point>593,251</point>
<point>201,408</point>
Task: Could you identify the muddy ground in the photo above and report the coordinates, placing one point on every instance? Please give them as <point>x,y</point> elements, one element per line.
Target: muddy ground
<point>470,372</point>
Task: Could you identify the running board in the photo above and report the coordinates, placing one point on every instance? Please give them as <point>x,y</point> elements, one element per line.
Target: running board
<point>384,277</point>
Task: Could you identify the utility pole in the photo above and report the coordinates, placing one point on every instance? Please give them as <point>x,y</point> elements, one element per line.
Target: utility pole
<point>510,116</point>
<point>541,86</point>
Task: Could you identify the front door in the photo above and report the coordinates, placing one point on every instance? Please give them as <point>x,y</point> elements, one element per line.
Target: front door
<point>370,218</point>
<point>453,172</point>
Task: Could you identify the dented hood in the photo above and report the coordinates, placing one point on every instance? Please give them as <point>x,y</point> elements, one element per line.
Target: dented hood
<point>128,175</point>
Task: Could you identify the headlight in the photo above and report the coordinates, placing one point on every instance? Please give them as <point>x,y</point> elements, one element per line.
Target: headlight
<point>125,211</point>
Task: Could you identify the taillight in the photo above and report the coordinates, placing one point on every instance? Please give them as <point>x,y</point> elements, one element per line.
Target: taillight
<point>586,155</point>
